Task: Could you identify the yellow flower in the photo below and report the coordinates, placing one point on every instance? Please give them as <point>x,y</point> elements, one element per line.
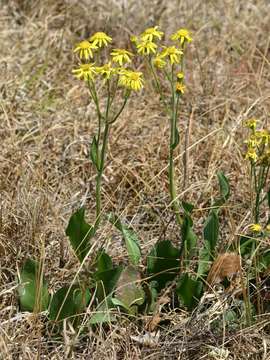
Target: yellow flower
<point>150,33</point>
<point>252,141</point>
<point>251,154</point>
<point>172,53</point>
<point>85,71</point>
<point>85,49</point>
<point>134,39</point>
<point>100,39</point>
<point>263,136</point>
<point>159,62</point>
<point>121,56</point>
<point>106,70</point>
<point>180,87</point>
<point>145,47</point>
<point>255,227</point>
<point>183,35</point>
<point>267,228</point>
<point>251,123</point>
<point>180,75</point>
<point>131,79</point>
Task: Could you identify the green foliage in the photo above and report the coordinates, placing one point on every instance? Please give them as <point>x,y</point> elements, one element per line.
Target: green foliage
<point>189,238</point>
<point>129,293</point>
<point>79,233</point>
<point>94,153</point>
<point>33,289</point>
<point>68,302</point>
<point>163,263</point>
<point>189,290</point>
<point>104,261</point>
<point>106,282</point>
<point>131,240</point>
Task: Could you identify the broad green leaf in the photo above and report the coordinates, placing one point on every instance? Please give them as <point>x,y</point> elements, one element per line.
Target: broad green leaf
<point>203,262</point>
<point>163,263</point>
<point>189,290</point>
<point>188,207</point>
<point>223,185</point>
<point>79,233</point>
<point>68,302</point>
<point>131,240</point>
<point>189,238</point>
<point>104,261</point>
<point>211,231</point>
<point>151,295</point>
<point>102,315</point>
<point>94,153</point>
<point>129,293</point>
<point>33,288</point>
<point>106,282</point>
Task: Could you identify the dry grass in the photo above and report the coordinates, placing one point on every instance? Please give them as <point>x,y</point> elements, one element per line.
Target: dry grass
<point>46,124</point>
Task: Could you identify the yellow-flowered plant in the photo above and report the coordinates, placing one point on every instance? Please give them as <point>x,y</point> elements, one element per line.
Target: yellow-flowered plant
<point>258,155</point>
<point>165,63</point>
<point>107,81</point>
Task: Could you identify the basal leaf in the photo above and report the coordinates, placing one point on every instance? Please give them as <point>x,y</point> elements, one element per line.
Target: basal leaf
<point>129,293</point>
<point>211,231</point>
<point>223,185</point>
<point>189,290</point>
<point>189,238</point>
<point>163,263</point>
<point>68,302</point>
<point>104,261</point>
<point>80,233</point>
<point>33,289</point>
<point>131,240</point>
<point>106,282</point>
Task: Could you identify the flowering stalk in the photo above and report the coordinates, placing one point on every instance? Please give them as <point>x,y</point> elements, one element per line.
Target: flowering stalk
<point>115,78</point>
<point>165,64</point>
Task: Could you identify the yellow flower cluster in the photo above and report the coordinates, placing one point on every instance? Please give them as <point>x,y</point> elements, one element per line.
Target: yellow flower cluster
<point>257,228</point>
<point>258,144</point>
<point>127,78</point>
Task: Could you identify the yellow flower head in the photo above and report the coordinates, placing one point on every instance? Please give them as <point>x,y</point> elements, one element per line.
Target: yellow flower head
<point>85,49</point>
<point>132,80</point>
<point>121,56</point>
<point>180,88</point>
<point>159,62</point>
<point>267,228</point>
<point>146,47</point>
<point>183,35</point>
<point>134,39</point>
<point>150,33</point>
<point>85,71</point>
<point>100,39</point>
<point>180,75</point>
<point>263,136</point>
<point>253,141</point>
<point>255,227</point>
<point>172,53</point>
<point>106,70</point>
<point>251,123</point>
<point>252,155</point>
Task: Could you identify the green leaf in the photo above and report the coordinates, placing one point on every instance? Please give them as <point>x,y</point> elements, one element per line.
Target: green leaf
<point>203,262</point>
<point>68,302</point>
<point>33,289</point>
<point>129,293</point>
<point>102,315</point>
<point>223,185</point>
<point>189,238</point>
<point>79,233</point>
<point>211,231</point>
<point>247,245</point>
<point>94,153</point>
<point>104,261</point>
<point>189,290</point>
<point>106,282</point>
<point>131,239</point>
<point>188,207</point>
<point>163,262</point>
<point>176,138</point>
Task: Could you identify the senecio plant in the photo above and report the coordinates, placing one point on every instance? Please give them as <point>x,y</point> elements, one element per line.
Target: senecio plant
<point>166,65</point>
<point>102,288</point>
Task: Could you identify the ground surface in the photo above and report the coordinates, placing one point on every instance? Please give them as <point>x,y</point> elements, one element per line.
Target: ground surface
<point>46,124</point>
